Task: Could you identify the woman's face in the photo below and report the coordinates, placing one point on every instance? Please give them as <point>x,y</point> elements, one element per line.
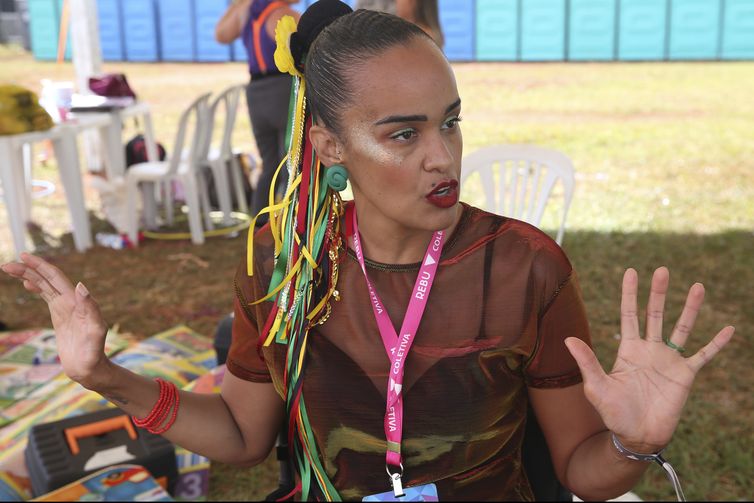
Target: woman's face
<point>402,142</point>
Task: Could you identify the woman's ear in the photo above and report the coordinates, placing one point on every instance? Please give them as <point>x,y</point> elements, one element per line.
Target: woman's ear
<point>326,144</point>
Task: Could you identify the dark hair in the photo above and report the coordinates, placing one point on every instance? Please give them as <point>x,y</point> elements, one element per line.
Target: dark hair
<point>339,46</point>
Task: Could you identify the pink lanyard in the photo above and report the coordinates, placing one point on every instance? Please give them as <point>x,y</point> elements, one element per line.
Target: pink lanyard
<point>397,347</point>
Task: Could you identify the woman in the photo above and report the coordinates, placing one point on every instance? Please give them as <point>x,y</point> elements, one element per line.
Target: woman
<point>268,91</point>
<point>502,324</point>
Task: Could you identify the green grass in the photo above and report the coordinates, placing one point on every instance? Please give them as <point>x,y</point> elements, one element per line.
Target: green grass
<point>664,154</point>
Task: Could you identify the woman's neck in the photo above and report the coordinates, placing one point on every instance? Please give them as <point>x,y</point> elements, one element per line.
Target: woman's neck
<point>389,242</point>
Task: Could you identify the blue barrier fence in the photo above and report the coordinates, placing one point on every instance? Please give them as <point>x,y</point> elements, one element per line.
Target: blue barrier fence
<point>475,30</point>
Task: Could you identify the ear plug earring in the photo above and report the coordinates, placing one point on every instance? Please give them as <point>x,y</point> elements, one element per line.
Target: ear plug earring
<point>336,177</point>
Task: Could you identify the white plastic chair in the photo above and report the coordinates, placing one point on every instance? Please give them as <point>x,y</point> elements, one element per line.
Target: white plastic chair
<point>185,169</point>
<point>221,158</point>
<point>526,175</point>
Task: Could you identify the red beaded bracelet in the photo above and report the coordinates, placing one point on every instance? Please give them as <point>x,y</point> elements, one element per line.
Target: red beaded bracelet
<point>152,416</point>
<point>176,401</point>
<point>167,404</point>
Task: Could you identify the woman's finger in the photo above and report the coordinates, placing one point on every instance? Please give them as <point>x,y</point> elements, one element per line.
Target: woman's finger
<point>32,280</point>
<point>685,323</point>
<point>656,304</point>
<point>33,288</point>
<point>591,370</point>
<point>14,269</point>
<point>704,355</point>
<point>52,274</point>
<point>86,306</point>
<point>48,291</point>
<point>629,321</point>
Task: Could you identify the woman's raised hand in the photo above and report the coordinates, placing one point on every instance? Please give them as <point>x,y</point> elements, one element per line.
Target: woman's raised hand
<point>79,327</point>
<point>641,399</point>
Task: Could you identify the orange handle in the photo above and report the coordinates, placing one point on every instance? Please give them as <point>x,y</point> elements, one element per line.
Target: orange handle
<point>72,435</point>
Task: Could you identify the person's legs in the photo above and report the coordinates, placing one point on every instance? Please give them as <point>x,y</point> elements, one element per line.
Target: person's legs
<point>268,110</point>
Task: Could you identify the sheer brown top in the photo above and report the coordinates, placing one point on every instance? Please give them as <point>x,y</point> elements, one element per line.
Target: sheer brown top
<point>504,299</point>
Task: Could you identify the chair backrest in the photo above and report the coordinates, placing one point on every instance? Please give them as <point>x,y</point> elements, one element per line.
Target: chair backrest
<point>229,99</point>
<point>194,118</point>
<point>518,180</point>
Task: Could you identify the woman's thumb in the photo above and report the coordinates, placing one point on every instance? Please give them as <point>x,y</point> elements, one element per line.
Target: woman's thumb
<point>591,370</point>
<point>82,300</point>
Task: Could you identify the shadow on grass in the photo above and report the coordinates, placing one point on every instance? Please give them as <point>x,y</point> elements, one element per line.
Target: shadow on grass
<point>148,290</point>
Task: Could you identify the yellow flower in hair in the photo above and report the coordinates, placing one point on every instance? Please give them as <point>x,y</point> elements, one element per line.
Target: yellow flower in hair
<point>283,58</point>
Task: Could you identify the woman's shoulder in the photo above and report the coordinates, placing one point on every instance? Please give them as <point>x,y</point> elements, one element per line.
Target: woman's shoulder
<point>511,240</point>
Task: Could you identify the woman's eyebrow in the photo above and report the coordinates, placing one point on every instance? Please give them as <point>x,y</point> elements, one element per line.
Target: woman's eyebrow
<point>414,118</point>
<point>454,105</point>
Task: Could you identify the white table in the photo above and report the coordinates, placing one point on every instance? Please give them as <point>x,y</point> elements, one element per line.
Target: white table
<point>63,136</point>
<point>111,136</point>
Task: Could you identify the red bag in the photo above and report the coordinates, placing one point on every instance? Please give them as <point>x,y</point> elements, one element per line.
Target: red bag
<point>111,85</point>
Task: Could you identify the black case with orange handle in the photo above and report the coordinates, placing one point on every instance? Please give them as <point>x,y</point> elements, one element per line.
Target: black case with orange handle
<point>64,451</point>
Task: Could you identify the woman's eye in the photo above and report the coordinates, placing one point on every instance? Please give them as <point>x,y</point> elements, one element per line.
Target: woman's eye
<point>404,135</point>
<point>451,123</point>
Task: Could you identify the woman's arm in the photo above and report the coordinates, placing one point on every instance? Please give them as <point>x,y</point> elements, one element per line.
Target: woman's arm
<point>230,26</point>
<point>640,400</point>
<point>238,426</point>
<point>275,16</point>
<point>582,453</point>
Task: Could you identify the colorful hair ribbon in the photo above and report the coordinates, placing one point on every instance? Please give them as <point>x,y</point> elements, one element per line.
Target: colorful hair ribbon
<point>305,226</point>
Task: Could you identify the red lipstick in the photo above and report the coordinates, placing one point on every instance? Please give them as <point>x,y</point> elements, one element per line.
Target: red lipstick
<point>444,195</point>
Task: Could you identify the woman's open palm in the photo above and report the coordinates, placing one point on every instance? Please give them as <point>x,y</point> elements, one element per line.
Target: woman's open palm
<point>642,397</point>
<point>79,327</point>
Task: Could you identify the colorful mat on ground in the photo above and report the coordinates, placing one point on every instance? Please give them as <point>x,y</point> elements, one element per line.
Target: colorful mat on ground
<point>30,370</point>
<point>179,355</point>
<point>114,483</point>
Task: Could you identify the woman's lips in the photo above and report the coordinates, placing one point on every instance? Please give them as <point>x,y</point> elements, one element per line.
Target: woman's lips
<point>444,195</point>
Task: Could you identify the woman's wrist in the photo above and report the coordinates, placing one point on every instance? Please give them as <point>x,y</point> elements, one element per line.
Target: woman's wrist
<point>637,451</point>
<point>101,378</point>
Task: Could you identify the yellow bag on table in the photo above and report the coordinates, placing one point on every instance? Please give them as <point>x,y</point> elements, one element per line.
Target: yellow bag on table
<point>20,111</point>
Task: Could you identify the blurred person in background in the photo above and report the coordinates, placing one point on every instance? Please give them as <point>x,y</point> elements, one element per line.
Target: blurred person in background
<point>268,91</point>
<point>424,14</point>
<point>380,5</point>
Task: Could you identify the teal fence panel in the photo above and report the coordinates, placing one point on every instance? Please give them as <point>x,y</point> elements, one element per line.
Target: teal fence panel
<point>176,21</point>
<point>497,30</point>
<point>207,13</point>
<point>694,29</point>
<point>484,30</point>
<point>110,30</point>
<point>140,29</point>
<point>457,22</point>
<point>642,32</point>
<point>43,28</point>
<point>591,30</point>
<point>738,30</point>
<point>543,27</point>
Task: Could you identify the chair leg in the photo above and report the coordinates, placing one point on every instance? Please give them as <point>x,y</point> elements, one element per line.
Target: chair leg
<point>237,174</point>
<point>194,209</point>
<point>132,189</point>
<point>150,204</point>
<point>222,186</point>
<point>167,186</point>
<point>206,207</point>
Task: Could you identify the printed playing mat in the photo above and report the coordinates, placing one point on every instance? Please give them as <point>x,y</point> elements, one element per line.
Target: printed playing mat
<point>34,390</point>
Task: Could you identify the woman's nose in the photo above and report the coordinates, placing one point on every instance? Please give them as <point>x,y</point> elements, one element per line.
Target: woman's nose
<point>441,153</point>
